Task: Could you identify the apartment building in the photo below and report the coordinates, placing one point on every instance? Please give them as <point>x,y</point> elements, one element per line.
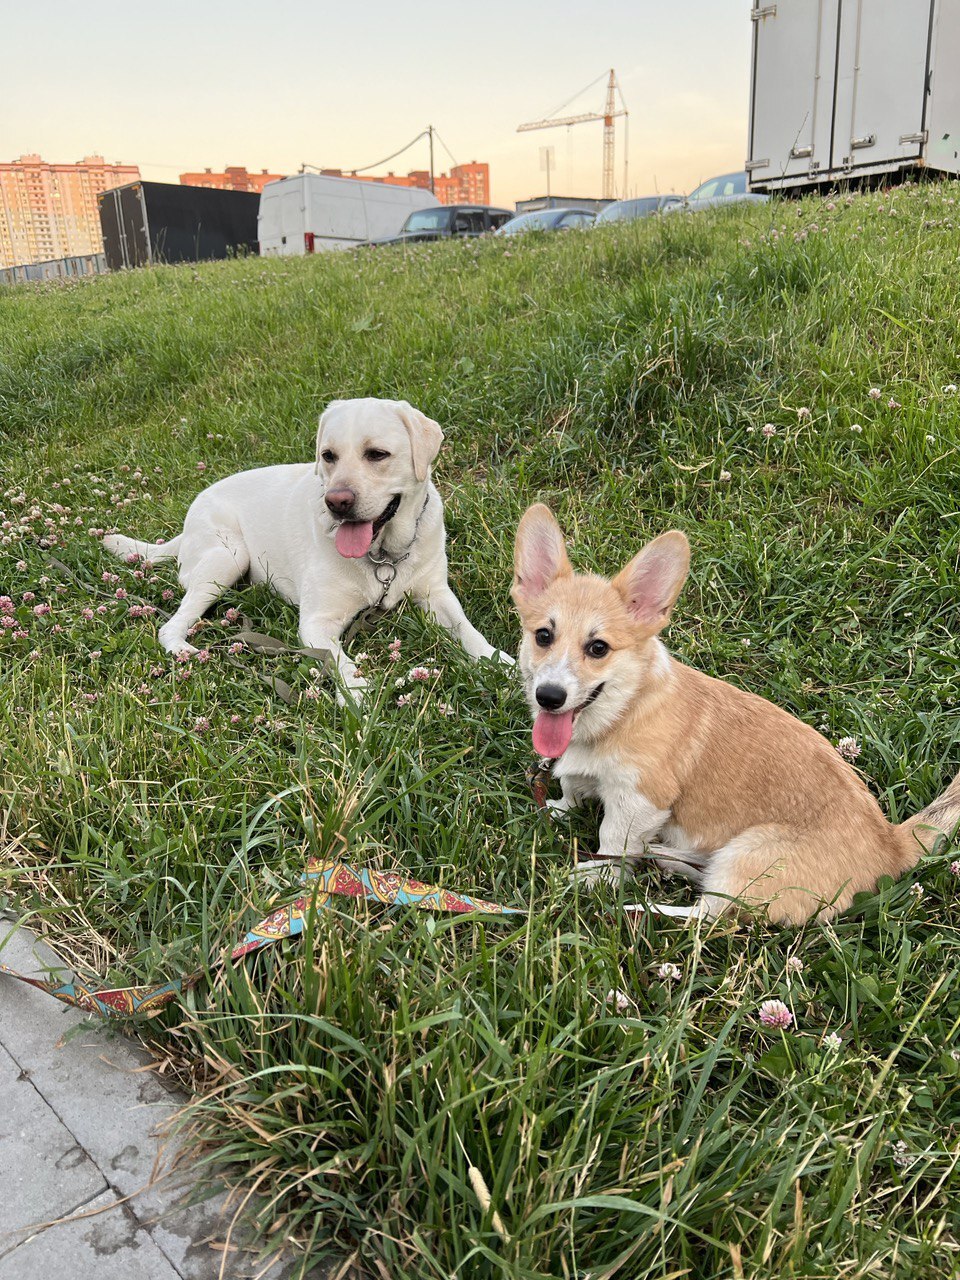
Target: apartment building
<point>465,183</point>
<point>50,211</point>
<point>233,178</point>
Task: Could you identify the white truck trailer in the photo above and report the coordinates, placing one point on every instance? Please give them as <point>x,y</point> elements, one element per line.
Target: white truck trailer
<point>310,212</point>
<point>844,89</point>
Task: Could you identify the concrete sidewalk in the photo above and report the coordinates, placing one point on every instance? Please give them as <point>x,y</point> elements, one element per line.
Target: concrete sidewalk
<point>79,1113</point>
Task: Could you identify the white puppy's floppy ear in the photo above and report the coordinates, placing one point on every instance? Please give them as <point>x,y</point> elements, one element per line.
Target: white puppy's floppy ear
<point>540,555</point>
<point>653,579</point>
<point>426,437</point>
<point>323,417</point>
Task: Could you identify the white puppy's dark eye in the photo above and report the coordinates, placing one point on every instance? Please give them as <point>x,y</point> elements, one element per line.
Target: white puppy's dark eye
<point>597,649</point>
<point>328,455</point>
<point>543,637</point>
<point>376,455</point>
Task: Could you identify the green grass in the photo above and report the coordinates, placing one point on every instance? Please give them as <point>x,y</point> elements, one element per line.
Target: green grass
<point>356,1078</point>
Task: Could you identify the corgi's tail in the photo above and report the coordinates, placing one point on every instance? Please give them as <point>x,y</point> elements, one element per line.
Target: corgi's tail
<point>123,547</point>
<point>940,817</point>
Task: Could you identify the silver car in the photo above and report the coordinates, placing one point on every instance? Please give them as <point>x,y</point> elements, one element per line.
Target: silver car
<point>641,207</point>
<point>547,220</point>
<point>729,188</point>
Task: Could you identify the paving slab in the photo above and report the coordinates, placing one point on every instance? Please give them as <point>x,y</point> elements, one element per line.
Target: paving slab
<point>46,1173</point>
<point>91,1120</point>
<point>109,1245</point>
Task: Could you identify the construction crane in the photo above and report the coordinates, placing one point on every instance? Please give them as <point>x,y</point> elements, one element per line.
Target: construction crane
<point>608,115</point>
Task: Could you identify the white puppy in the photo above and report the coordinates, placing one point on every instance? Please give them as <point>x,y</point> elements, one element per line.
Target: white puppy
<point>361,527</point>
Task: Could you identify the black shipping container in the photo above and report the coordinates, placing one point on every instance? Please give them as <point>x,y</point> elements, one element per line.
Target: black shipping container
<point>149,222</point>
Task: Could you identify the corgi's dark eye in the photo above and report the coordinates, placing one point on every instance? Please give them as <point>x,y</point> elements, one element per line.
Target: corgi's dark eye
<point>376,455</point>
<point>543,637</point>
<point>597,649</point>
<point>328,455</point>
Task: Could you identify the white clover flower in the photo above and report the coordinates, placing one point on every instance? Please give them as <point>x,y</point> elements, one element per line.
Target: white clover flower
<point>620,1001</point>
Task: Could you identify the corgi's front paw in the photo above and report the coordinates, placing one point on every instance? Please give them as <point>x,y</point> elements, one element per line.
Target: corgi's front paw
<point>558,808</point>
<point>590,872</point>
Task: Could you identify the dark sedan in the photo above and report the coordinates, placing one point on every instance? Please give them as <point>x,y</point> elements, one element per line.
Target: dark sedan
<point>446,221</point>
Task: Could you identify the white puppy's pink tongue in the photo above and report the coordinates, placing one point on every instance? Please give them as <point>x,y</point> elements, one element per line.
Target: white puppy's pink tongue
<point>353,539</point>
<point>552,732</point>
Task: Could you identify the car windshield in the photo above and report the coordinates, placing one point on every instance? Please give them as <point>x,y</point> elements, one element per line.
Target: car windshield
<point>630,209</point>
<point>538,220</point>
<point>427,220</point>
<point>730,184</point>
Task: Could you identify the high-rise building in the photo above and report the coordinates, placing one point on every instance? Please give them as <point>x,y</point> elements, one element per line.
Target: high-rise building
<point>465,184</point>
<point>50,210</point>
<point>233,178</point>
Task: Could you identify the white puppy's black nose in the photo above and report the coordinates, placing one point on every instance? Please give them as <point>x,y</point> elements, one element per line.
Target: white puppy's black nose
<point>551,696</point>
<point>340,502</point>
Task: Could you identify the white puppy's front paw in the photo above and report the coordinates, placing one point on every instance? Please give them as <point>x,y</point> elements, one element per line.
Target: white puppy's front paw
<point>505,658</point>
<point>590,872</point>
<point>351,691</point>
<point>174,642</point>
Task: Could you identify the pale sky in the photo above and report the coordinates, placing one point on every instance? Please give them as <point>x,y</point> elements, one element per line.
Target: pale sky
<point>195,83</point>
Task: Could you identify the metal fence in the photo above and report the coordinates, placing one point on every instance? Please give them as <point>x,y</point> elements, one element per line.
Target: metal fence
<point>91,264</point>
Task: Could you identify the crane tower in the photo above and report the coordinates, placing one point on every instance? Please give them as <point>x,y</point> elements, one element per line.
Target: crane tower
<point>608,115</point>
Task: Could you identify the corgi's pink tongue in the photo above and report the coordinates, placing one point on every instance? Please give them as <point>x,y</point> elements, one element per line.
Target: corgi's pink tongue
<point>552,732</point>
<point>353,540</point>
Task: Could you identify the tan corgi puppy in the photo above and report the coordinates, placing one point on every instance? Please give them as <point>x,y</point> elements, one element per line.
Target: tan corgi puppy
<point>714,783</point>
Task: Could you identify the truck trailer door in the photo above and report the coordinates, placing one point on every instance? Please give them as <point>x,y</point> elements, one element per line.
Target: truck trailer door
<point>883,51</point>
<point>794,54</point>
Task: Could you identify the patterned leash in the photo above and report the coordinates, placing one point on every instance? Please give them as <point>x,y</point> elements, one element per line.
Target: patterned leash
<point>328,880</point>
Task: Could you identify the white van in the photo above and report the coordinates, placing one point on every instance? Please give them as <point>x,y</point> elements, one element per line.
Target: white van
<point>308,213</point>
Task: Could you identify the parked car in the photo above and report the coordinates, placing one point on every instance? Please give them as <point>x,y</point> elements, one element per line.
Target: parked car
<point>548,220</point>
<point>729,188</point>
<point>461,220</point>
<point>642,207</point>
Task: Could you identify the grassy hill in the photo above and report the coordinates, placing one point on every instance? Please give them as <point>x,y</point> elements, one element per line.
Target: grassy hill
<point>781,384</point>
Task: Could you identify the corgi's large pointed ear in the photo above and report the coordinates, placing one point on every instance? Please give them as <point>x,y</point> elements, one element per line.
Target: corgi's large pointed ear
<point>540,556</point>
<point>653,579</point>
<point>426,437</point>
<point>323,418</point>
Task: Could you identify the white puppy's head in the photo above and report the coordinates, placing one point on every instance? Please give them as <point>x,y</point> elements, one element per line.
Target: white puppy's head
<point>374,457</point>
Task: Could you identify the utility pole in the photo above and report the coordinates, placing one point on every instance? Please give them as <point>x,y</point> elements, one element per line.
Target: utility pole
<point>546,158</point>
<point>430,132</point>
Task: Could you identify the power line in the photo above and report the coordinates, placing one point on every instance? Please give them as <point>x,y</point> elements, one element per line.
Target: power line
<point>456,162</point>
<point>365,168</point>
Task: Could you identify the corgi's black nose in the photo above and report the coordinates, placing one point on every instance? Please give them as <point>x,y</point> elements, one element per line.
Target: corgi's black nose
<point>551,696</point>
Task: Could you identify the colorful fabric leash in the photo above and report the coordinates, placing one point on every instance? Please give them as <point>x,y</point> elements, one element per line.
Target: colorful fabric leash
<point>332,879</point>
